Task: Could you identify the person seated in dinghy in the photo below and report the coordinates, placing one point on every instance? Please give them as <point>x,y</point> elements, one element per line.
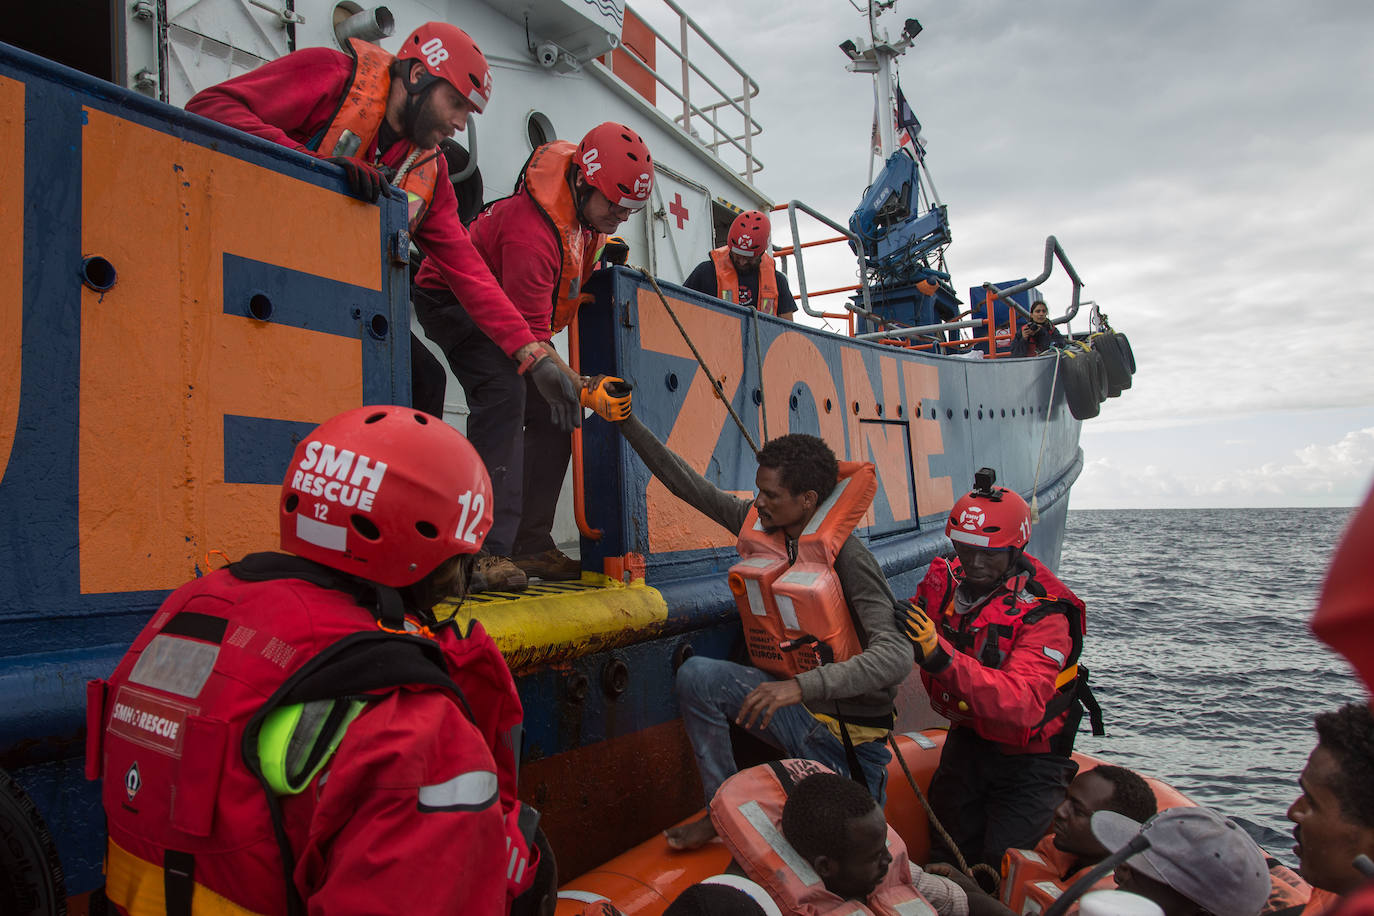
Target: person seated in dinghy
<point>801,521</point>
<point>1198,862</point>
<point>819,843</point>
<point>1037,876</point>
<point>997,638</point>
<point>1334,815</point>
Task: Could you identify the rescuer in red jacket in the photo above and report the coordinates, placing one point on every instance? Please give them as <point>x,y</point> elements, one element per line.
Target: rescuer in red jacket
<point>296,733</point>
<point>997,639</point>
<point>542,243</point>
<point>382,119</point>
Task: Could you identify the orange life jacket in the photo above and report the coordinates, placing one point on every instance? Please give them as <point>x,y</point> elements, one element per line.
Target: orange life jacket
<point>1032,879</point>
<point>780,601</point>
<point>727,281</point>
<point>1289,894</point>
<point>362,110</point>
<point>747,813</point>
<point>545,179</point>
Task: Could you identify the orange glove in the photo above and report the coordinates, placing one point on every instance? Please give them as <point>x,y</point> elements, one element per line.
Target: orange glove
<point>608,396</point>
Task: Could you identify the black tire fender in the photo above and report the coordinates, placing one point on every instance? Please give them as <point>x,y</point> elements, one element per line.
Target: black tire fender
<point>31,881</point>
<point>1080,385</point>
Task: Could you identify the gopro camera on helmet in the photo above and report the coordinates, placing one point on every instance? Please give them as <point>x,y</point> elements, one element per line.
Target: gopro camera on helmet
<point>983,481</point>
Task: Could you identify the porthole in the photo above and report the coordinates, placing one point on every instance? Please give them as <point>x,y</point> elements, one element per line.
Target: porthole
<point>539,129</point>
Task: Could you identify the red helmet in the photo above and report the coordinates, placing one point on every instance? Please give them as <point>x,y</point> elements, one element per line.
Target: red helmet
<point>749,233</point>
<point>449,54</point>
<point>615,161</point>
<point>386,494</point>
<point>990,517</point>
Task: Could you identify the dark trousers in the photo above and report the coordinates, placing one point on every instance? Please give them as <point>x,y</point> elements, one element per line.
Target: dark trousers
<point>427,380</point>
<point>991,802</point>
<point>509,425</point>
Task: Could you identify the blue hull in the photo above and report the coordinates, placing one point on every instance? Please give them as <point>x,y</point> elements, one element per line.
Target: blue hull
<point>149,426</point>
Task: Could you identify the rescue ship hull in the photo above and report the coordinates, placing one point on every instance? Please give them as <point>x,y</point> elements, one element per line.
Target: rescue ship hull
<point>175,325</point>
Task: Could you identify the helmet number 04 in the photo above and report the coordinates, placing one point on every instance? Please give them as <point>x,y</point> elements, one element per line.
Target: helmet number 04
<point>473,505</point>
<point>434,51</point>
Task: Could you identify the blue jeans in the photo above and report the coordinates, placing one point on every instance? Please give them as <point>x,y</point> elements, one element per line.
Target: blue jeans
<point>710,693</point>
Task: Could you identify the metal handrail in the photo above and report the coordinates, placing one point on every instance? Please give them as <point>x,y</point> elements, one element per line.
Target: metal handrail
<point>792,207</point>
<point>749,89</point>
<point>1053,250</point>
<point>752,163</point>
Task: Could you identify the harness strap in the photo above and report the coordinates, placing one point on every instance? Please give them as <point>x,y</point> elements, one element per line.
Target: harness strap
<point>178,881</point>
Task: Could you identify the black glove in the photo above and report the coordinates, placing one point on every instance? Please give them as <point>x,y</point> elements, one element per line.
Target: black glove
<point>562,393</point>
<point>364,181</point>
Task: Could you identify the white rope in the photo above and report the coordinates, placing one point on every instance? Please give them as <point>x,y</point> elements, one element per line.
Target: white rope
<point>405,167</point>
<point>1044,436</point>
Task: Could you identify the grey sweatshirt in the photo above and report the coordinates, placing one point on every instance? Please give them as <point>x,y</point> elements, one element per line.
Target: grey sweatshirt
<point>862,686</point>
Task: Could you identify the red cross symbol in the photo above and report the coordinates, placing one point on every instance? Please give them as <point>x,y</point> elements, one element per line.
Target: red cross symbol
<point>678,210</point>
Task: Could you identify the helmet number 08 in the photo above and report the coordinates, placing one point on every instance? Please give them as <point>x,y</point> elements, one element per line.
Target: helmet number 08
<point>434,51</point>
<point>473,505</point>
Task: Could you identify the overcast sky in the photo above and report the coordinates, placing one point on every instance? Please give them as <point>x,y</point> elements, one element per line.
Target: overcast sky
<point>1205,165</point>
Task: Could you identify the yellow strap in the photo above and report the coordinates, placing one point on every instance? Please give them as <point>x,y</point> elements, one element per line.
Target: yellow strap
<point>1065,676</point>
<point>136,886</point>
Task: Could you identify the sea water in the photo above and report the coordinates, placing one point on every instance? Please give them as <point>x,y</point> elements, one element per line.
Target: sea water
<point>1200,652</point>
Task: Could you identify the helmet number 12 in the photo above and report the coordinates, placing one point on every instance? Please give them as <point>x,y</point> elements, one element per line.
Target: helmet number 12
<point>473,505</point>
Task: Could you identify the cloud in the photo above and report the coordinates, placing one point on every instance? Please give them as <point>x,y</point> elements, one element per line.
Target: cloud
<point>1330,474</point>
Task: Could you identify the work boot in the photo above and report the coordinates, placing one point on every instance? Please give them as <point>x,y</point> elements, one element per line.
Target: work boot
<point>496,574</point>
<point>552,566</point>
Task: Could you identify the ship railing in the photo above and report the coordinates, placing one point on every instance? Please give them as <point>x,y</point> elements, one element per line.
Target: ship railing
<point>722,135</point>
<point>795,251</point>
<point>995,335</point>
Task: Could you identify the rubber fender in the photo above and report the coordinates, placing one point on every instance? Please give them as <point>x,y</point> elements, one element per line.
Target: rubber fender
<point>1080,384</point>
<point>1127,355</point>
<point>31,882</point>
<point>1098,369</point>
<point>1118,376</point>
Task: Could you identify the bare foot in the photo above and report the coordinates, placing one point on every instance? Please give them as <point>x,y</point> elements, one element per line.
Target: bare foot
<point>691,836</point>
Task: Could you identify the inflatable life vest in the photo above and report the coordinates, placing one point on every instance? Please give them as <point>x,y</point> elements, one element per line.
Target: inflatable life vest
<point>545,179</point>
<point>989,633</point>
<point>195,701</point>
<point>1032,879</point>
<point>727,280</point>
<point>361,111</point>
<point>747,813</point>
<point>781,603</point>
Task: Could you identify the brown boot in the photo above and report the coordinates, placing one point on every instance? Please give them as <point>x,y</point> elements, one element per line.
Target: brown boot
<point>552,566</point>
<point>497,574</point>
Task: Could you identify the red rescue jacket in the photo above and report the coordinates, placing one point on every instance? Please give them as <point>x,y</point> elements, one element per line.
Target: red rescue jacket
<point>427,763</point>
<point>1011,665</point>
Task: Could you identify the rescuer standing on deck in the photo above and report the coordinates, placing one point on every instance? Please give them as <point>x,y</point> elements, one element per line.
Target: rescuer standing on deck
<point>542,243</point>
<point>742,271</point>
<point>997,638</point>
<point>297,733</point>
<point>382,119</point>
